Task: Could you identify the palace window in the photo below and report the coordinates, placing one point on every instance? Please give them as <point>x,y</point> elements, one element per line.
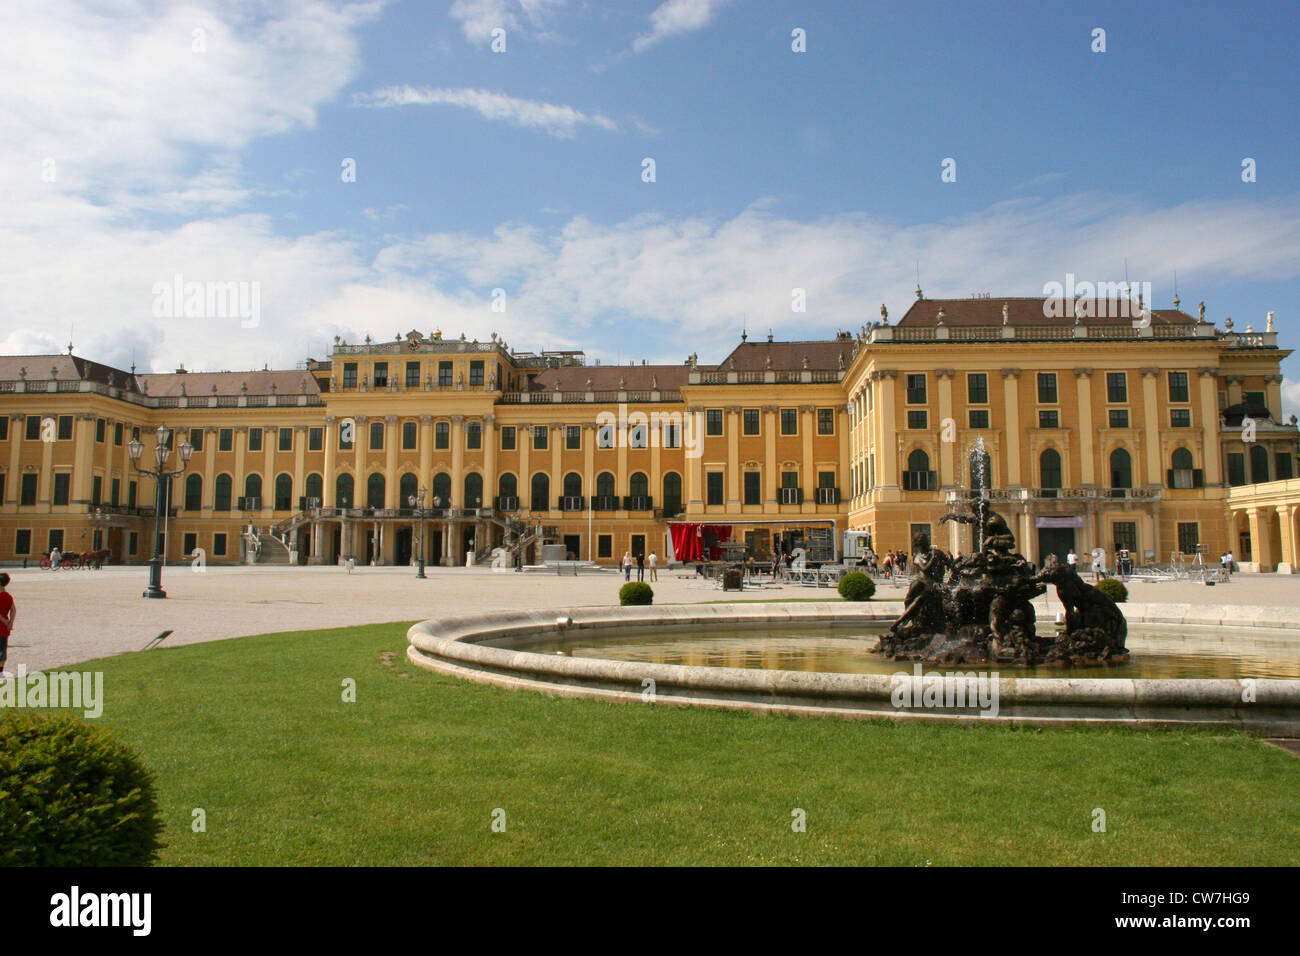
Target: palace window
<point>99,429</point>
<point>918,419</point>
<point>27,489</point>
<point>789,421</point>
<point>33,428</point>
<point>572,437</point>
<point>916,389</point>
<point>979,418</point>
<point>381,375</point>
<point>753,488</point>
<point>1047,388</point>
<point>286,439</point>
<point>408,436</point>
<point>62,482</point>
<point>1118,417</point>
<point>713,488</point>
<point>474,435</point>
<point>539,436</point>
<point>412,375</point>
<point>977,389</point>
<point>508,438</point>
<point>376,436</point>
<point>349,374</point>
<point>444,375</point>
<point>65,428</point>
<point>1178,391</point>
<point>713,421</point>
<point>1189,536</point>
<point>442,435</point>
<point>1049,419</point>
<point>750,417</point>
<point>825,421</point>
<point>1116,387</point>
<point>1180,417</point>
<point>476,372</point>
<point>255,439</point>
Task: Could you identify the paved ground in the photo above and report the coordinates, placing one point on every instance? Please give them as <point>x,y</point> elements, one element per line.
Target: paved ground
<point>69,616</point>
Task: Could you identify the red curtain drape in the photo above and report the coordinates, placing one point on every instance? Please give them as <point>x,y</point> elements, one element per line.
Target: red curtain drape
<point>688,540</point>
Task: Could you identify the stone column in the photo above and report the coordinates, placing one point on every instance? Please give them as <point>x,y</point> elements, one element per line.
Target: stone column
<point>300,464</point>
<point>886,440</point>
<point>1087,454</point>
<point>771,480</point>
<point>1211,455</point>
<point>1287,540</point>
<point>733,457</point>
<point>458,460</point>
<point>1151,427</point>
<point>270,442</point>
<point>1011,399</point>
<point>426,452</point>
<point>947,449</point>
<point>694,489</point>
<point>556,442</point>
<point>391,485</point>
<point>807,425</point>
<point>1261,545</point>
<point>83,458</point>
<point>490,483</point>
<point>360,438</point>
<point>329,478</point>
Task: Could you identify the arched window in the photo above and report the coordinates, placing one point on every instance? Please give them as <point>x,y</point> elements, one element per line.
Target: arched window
<point>981,470</point>
<point>672,494</point>
<point>283,492</point>
<point>314,489</point>
<point>473,490</point>
<point>1049,472</point>
<point>441,490</point>
<point>1182,473</point>
<point>605,485</point>
<point>375,490</point>
<point>221,496</point>
<point>406,489</point>
<point>573,485</point>
<point>343,492</point>
<point>1121,470</point>
<point>1258,464</point>
<point>253,486</point>
<point>917,477</point>
<point>541,492</point>
<point>507,486</point>
<point>194,493</point>
<point>638,485</point>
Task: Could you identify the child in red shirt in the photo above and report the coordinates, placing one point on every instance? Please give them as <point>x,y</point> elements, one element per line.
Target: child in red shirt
<point>7,614</point>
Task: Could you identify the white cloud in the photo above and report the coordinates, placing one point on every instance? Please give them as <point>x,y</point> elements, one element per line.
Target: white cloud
<point>675,17</point>
<point>478,18</point>
<point>119,97</point>
<point>651,286</point>
<point>558,120</point>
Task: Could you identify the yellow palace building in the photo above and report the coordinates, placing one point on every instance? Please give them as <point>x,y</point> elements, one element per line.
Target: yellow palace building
<point>1159,434</point>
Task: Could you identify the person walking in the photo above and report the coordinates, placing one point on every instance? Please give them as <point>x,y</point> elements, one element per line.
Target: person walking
<point>7,614</point>
<point>652,561</point>
<point>627,565</point>
<point>640,565</point>
<point>1098,563</point>
<point>1072,560</point>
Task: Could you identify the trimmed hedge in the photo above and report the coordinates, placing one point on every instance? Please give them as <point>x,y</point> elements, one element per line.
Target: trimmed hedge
<point>856,586</point>
<point>73,794</point>
<point>1114,589</point>
<point>635,592</point>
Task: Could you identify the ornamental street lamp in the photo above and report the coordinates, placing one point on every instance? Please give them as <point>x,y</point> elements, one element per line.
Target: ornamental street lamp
<point>417,502</point>
<point>162,495</point>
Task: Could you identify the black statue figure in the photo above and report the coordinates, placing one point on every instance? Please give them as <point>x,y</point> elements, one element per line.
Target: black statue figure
<point>978,608</point>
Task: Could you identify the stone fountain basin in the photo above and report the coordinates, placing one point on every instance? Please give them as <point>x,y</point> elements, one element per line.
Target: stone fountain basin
<point>489,647</point>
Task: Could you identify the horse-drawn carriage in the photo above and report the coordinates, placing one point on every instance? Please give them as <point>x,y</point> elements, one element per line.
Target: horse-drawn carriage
<point>71,560</point>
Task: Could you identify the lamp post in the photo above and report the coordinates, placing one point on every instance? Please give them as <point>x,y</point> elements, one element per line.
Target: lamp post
<point>162,452</point>
<point>417,502</point>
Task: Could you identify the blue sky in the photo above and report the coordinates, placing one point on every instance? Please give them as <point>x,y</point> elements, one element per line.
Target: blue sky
<point>521,170</point>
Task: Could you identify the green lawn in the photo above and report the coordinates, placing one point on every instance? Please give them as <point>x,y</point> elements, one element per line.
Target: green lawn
<point>255,732</point>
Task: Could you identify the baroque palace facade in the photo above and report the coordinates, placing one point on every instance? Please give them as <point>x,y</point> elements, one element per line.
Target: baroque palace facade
<point>1162,435</point>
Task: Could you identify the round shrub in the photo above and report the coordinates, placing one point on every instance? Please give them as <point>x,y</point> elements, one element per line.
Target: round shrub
<point>73,794</point>
<point>1113,589</point>
<point>635,592</point>
<point>856,586</point>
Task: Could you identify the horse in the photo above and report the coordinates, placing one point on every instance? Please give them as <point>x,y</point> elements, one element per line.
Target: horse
<point>95,559</point>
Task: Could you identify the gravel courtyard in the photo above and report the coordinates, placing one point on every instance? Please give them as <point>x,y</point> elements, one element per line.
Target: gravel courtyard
<point>69,616</point>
